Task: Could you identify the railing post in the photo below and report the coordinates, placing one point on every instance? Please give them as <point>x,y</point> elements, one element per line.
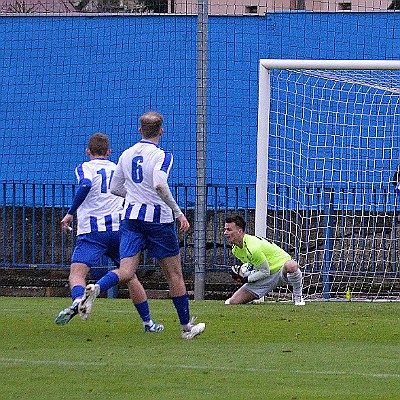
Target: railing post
<point>200,214</point>
<point>328,195</point>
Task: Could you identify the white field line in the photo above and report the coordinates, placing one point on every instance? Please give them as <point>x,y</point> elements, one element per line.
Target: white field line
<point>26,310</point>
<point>5,361</point>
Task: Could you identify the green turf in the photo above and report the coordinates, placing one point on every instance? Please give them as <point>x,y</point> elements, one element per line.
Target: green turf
<point>265,351</point>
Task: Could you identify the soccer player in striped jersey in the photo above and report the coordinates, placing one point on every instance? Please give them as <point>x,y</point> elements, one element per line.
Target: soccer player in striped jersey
<point>98,214</point>
<point>272,266</point>
<point>148,221</point>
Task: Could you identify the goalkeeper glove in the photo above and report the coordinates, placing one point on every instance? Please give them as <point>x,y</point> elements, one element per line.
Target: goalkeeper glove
<point>238,278</point>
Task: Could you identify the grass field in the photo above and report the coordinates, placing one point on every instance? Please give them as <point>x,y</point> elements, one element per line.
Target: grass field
<point>265,351</point>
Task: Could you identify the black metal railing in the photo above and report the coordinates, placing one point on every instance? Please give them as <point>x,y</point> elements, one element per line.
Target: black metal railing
<point>322,235</point>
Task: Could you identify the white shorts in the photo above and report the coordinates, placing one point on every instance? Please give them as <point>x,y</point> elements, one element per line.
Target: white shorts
<point>266,285</point>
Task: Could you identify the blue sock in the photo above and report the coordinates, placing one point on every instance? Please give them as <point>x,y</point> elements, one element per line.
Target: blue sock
<point>181,304</point>
<point>109,280</point>
<point>77,292</point>
<point>144,311</point>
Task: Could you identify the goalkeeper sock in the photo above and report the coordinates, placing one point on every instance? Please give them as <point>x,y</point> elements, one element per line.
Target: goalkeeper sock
<point>144,311</point>
<point>296,280</point>
<point>109,280</point>
<point>181,304</point>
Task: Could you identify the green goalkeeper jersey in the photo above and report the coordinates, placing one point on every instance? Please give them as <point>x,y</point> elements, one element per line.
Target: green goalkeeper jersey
<point>256,250</point>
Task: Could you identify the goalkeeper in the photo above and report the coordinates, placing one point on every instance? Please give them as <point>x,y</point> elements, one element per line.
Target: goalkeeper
<point>266,265</point>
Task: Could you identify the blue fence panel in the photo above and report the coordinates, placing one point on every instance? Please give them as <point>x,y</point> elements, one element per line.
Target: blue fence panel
<point>64,78</point>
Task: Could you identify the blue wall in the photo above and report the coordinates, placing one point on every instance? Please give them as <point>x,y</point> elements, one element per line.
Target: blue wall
<point>64,78</point>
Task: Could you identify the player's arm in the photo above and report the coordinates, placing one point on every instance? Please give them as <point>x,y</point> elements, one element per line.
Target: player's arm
<point>163,190</point>
<point>259,261</point>
<point>84,188</point>
<point>261,271</point>
<point>258,272</point>
<point>160,184</point>
<point>117,184</point>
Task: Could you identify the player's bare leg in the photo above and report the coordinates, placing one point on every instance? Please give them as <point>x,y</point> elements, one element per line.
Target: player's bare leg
<point>172,269</point>
<point>77,279</point>
<point>241,296</point>
<point>127,268</point>
<point>125,272</point>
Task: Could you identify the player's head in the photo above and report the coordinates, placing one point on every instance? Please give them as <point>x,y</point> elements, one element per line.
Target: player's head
<point>237,220</point>
<point>235,226</point>
<point>151,124</point>
<point>99,145</point>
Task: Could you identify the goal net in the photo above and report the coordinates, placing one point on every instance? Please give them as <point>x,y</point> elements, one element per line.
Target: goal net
<point>328,147</point>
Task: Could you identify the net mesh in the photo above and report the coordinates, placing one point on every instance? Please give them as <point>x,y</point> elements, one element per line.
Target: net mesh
<point>70,68</point>
<point>333,149</point>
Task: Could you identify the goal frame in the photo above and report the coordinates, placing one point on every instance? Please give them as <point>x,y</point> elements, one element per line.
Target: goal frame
<point>264,97</point>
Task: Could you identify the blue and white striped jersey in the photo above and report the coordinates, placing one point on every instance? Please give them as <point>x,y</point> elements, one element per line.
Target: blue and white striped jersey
<point>140,167</point>
<point>101,210</point>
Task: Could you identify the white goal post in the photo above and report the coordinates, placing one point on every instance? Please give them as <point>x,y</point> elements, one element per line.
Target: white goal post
<point>327,147</point>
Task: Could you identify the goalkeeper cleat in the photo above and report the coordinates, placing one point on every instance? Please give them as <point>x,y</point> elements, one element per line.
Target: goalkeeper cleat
<point>192,330</point>
<point>89,296</point>
<point>258,301</point>
<point>154,327</point>
<point>298,300</point>
<point>66,315</point>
